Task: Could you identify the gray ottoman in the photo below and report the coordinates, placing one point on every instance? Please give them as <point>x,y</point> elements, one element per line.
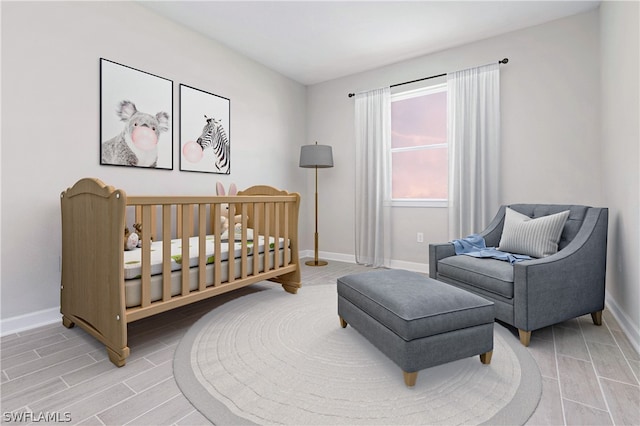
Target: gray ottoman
<point>416,321</point>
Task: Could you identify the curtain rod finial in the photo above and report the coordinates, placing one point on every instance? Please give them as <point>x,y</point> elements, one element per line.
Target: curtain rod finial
<point>504,61</point>
<point>351,95</point>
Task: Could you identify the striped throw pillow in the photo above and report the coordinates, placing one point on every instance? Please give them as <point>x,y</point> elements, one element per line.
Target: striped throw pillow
<point>534,237</point>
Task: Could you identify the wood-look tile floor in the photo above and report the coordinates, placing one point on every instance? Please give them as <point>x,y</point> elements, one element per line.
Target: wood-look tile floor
<point>590,374</point>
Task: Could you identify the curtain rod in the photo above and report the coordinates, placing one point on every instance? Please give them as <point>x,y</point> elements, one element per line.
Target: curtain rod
<point>503,61</point>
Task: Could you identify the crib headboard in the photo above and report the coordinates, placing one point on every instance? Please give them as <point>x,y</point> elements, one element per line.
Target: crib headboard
<point>278,217</point>
<point>92,239</point>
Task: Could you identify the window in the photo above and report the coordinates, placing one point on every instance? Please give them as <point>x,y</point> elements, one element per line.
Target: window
<point>419,149</point>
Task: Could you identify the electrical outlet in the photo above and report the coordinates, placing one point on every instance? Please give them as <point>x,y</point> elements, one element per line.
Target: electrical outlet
<point>420,237</point>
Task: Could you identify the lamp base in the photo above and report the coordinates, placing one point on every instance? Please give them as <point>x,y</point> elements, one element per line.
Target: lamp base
<point>316,263</point>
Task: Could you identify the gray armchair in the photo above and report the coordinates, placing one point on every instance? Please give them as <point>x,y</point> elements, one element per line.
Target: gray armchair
<point>536,293</point>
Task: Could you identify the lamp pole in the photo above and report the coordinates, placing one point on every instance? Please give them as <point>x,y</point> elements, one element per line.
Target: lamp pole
<point>315,261</point>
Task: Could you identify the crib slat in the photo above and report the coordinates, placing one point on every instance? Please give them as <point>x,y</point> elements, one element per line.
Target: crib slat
<point>276,232</point>
<point>231,264</point>
<point>145,286</point>
<point>267,229</point>
<point>217,231</point>
<point>286,235</point>
<point>256,233</point>
<point>187,219</point>
<point>202,246</point>
<point>243,254</point>
<point>166,252</point>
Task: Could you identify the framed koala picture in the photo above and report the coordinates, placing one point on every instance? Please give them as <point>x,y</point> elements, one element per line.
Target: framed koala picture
<point>135,117</point>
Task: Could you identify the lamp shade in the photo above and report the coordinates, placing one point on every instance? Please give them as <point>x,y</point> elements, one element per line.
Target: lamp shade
<point>316,155</point>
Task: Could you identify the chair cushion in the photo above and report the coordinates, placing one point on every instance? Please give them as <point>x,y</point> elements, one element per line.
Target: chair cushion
<point>534,237</point>
<point>495,276</point>
<point>413,305</point>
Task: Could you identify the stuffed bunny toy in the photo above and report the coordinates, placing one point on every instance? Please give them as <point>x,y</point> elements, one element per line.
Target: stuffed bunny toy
<point>224,219</point>
<point>138,230</point>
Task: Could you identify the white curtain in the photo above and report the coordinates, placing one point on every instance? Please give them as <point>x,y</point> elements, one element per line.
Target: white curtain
<point>473,102</point>
<point>373,180</point>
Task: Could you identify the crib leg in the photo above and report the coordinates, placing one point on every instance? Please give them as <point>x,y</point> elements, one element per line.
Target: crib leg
<point>290,288</point>
<point>67,322</point>
<point>116,358</point>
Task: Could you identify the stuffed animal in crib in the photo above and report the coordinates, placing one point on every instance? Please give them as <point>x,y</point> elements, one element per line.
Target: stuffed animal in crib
<point>138,231</point>
<point>233,190</point>
<point>137,144</point>
<point>130,239</point>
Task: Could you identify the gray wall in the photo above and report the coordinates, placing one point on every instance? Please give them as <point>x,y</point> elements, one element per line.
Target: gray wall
<point>50,123</point>
<point>620,136</point>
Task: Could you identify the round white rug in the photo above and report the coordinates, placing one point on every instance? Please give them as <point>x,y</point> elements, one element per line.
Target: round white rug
<point>275,358</point>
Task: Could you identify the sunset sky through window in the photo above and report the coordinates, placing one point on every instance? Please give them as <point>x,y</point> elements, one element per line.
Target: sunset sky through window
<point>419,168</point>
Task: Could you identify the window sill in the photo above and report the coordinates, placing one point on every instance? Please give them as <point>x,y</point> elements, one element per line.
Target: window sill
<point>420,203</point>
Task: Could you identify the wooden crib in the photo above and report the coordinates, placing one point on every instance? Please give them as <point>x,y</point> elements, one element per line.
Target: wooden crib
<point>94,293</point>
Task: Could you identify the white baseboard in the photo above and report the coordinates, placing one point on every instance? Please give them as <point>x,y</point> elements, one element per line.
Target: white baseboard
<point>410,266</point>
<point>340,257</point>
<point>28,321</point>
<point>337,257</point>
<point>630,329</point>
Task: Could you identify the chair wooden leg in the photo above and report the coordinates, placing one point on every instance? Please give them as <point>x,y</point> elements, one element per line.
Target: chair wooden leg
<point>485,358</point>
<point>597,317</point>
<point>410,378</point>
<point>525,337</point>
<point>343,323</point>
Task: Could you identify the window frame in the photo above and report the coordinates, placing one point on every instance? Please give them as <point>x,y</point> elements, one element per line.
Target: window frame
<point>419,202</point>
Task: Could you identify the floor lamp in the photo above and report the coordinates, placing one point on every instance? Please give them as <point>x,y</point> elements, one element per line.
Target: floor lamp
<point>316,156</point>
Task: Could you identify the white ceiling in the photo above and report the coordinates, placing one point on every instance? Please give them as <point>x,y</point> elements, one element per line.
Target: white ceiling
<point>316,41</point>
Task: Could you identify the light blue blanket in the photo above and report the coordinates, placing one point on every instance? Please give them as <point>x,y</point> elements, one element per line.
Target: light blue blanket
<point>474,245</point>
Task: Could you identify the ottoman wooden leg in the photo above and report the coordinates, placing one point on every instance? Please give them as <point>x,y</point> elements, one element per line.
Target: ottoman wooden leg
<point>485,358</point>
<point>597,317</point>
<point>525,337</point>
<point>410,378</point>
<point>343,323</point>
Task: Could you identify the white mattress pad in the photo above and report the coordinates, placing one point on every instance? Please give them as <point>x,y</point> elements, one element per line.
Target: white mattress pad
<point>133,262</point>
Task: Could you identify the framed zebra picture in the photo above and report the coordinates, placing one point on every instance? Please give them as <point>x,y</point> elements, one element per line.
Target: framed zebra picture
<point>205,144</point>
<point>135,120</point>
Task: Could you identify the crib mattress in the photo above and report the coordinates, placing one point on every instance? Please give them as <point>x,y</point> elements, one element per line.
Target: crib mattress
<point>132,258</point>
<point>133,295</point>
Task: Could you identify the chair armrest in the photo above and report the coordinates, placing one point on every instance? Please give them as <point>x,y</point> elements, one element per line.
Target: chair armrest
<point>493,231</point>
<point>567,284</point>
<point>438,252</point>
